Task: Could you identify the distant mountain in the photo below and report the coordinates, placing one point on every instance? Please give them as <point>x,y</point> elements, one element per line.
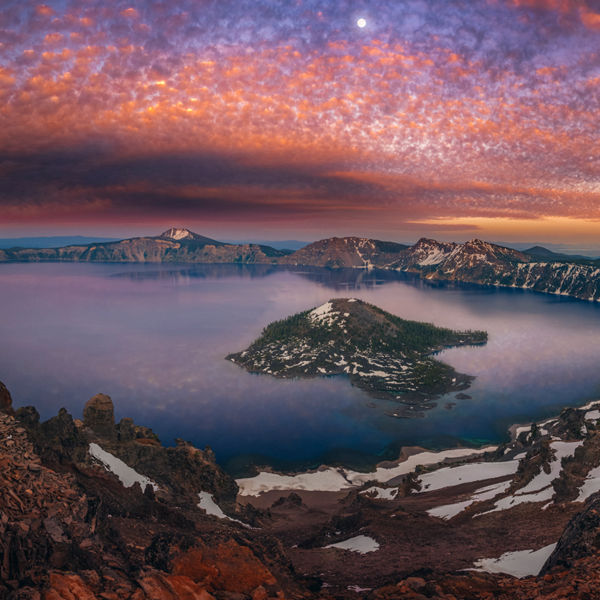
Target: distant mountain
<point>172,246</point>
<point>346,252</point>
<point>51,242</point>
<point>475,261</point>
<point>290,245</point>
<point>425,253</point>
<point>541,252</point>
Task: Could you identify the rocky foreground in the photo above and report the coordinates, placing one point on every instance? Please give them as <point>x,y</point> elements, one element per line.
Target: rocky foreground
<point>78,521</point>
<point>92,509</point>
<point>381,353</point>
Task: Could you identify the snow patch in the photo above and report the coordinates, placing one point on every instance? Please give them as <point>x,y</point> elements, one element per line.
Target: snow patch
<point>127,476</point>
<point>207,504</point>
<point>327,480</point>
<point>486,493</point>
<point>592,415</point>
<point>539,489</point>
<point>451,476</point>
<point>333,480</point>
<point>380,493</point>
<point>362,544</point>
<point>522,563</point>
<point>590,486</point>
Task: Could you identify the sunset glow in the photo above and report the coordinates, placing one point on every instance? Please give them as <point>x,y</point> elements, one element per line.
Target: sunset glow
<point>302,118</point>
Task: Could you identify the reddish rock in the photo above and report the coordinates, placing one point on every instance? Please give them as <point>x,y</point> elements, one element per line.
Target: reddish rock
<point>227,566</point>
<point>67,586</point>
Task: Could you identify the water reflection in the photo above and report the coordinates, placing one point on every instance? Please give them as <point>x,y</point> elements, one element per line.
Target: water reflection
<point>336,279</point>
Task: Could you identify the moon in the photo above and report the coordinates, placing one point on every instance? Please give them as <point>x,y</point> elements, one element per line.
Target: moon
<point>361,23</point>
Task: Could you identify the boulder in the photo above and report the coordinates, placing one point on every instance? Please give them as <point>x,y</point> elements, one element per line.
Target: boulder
<point>580,539</point>
<point>99,416</point>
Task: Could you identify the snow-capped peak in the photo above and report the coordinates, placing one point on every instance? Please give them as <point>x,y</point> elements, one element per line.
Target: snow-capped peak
<point>178,234</point>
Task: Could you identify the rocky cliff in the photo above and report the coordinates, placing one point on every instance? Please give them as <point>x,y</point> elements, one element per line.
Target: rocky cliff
<point>96,510</point>
<point>475,261</point>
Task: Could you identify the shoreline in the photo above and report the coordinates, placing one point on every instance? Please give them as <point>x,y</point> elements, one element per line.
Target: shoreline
<point>337,479</point>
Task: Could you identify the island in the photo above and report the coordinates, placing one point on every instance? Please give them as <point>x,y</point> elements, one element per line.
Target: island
<point>383,354</point>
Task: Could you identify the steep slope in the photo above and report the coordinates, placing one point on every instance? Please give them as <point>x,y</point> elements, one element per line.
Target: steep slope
<point>479,261</point>
<point>475,261</point>
<point>488,264</point>
<point>426,516</point>
<point>76,524</point>
<point>424,254</point>
<point>381,353</point>
<point>346,252</point>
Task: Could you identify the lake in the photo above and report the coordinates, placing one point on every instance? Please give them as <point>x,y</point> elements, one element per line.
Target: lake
<point>154,338</point>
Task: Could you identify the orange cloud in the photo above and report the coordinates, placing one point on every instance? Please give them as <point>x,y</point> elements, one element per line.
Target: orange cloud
<point>130,13</point>
<point>44,9</point>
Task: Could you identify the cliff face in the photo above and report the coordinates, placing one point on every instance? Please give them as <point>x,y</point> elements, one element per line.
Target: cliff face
<point>5,400</point>
<point>488,264</point>
<point>475,261</point>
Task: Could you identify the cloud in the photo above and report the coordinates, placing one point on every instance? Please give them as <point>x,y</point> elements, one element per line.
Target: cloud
<point>264,109</point>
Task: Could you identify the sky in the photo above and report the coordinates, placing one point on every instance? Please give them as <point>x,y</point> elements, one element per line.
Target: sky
<point>302,119</point>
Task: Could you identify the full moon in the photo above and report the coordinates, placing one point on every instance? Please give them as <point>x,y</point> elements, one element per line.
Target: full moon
<point>361,22</point>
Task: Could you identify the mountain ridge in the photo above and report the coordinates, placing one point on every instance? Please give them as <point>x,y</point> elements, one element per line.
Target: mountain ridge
<point>475,261</point>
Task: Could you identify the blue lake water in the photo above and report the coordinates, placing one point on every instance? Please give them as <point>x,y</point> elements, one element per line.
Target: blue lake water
<point>154,338</point>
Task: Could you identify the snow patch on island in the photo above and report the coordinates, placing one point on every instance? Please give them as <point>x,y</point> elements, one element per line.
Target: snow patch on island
<point>323,313</point>
<point>127,476</point>
<point>362,544</point>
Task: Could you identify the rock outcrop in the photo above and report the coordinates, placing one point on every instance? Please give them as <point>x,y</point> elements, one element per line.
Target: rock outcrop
<point>580,539</point>
<point>76,531</point>
<point>5,400</point>
<point>99,416</point>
